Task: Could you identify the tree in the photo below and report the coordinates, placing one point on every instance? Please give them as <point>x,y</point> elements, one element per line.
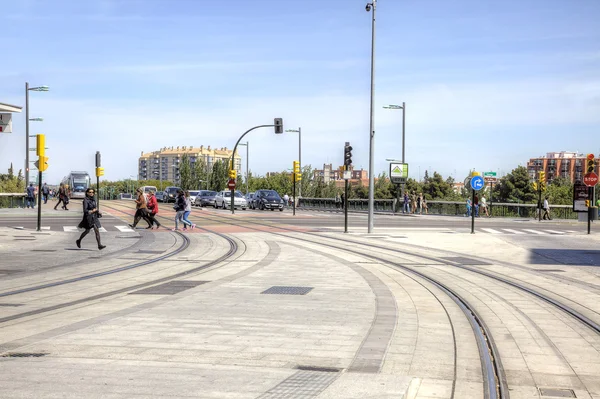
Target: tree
<point>515,187</point>
<point>436,188</point>
<point>11,172</point>
<point>199,174</point>
<point>185,173</point>
<point>560,191</point>
<point>383,187</point>
<point>218,176</point>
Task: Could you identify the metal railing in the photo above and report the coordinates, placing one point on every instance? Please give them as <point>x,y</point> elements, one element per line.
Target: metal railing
<point>13,200</point>
<point>448,208</point>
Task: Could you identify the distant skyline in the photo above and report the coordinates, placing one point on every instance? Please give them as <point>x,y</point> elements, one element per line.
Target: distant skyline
<point>487,85</point>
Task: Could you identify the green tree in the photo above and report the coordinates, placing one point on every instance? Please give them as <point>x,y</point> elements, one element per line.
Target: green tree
<point>560,191</point>
<point>515,187</point>
<point>436,188</point>
<point>185,173</point>
<point>11,171</point>
<point>199,174</point>
<point>383,187</point>
<point>218,176</point>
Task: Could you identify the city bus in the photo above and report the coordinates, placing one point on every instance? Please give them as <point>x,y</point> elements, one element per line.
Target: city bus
<point>77,182</point>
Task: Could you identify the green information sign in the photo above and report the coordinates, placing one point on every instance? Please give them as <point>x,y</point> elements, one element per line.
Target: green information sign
<point>489,174</point>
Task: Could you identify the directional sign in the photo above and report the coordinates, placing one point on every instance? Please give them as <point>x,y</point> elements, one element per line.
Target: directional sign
<point>489,174</point>
<point>590,179</point>
<point>490,179</point>
<point>477,183</point>
<point>231,184</point>
<point>5,123</point>
<point>398,172</point>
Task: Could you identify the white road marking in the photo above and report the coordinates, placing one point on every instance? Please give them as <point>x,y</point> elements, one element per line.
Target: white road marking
<point>555,232</point>
<point>513,231</point>
<point>71,229</point>
<point>491,231</point>
<point>535,232</point>
<point>125,229</point>
<point>45,227</point>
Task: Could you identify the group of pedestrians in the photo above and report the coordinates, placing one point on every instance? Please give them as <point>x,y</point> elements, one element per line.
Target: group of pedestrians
<point>414,203</point>
<point>147,209</point>
<point>476,205</point>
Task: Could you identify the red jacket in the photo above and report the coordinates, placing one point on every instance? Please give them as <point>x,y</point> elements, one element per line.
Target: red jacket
<point>152,204</point>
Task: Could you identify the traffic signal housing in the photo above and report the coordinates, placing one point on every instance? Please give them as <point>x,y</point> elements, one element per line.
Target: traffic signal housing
<point>42,163</point>
<point>297,173</point>
<point>99,171</point>
<point>232,174</point>
<point>40,148</point>
<point>535,186</point>
<point>347,154</point>
<point>278,123</point>
<point>589,163</point>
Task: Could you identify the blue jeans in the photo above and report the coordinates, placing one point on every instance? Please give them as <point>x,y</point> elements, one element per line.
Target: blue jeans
<point>406,208</point>
<point>30,202</point>
<point>185,219</point>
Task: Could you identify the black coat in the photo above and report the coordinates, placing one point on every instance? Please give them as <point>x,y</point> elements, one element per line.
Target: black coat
<point>89,219</point>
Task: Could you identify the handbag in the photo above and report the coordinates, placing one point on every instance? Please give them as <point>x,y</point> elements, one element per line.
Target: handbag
<point>99,215</point>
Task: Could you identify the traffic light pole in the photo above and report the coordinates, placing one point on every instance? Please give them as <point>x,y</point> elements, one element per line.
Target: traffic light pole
<point>473,212</point>
<point>590,208</point>
<point>39,200</point>
<point>345,204</point>
<point>294,191</point>
<point>539,201</point>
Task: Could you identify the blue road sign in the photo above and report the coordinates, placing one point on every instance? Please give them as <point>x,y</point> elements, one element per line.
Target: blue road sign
<point>477,183</point>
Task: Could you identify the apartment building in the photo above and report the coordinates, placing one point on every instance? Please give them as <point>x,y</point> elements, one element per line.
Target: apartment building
<point>164,163</point>
<point>328,173</point>
<point>570,165</point>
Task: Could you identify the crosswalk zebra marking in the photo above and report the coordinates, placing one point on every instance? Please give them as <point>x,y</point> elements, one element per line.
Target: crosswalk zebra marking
<point>536,232</point>
<point>513,231</point>
<point>555,232</point>
<point>493,231</point>
<point>75,229</point>
<point>125,229</point>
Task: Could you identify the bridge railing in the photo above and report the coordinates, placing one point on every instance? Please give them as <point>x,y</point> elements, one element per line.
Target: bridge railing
<point>448,208</point>
<point>12,200</point>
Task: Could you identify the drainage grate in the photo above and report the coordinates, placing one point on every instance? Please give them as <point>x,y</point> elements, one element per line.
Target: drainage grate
<point>557,392</point>
<point>149,251</point>
<point>302,384</point>
<point>549,270</point>
<point>464,261</point>
<point>317,368</point>
<point>23,354</point>
<point>283,290</point>
<point>170,288</point>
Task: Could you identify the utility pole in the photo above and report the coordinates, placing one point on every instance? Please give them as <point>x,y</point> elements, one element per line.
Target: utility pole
<point>372,6</point>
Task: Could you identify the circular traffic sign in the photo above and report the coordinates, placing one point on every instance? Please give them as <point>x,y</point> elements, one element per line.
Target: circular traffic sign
<point>231,184</point>
<point>477,183</point>
<point>590,179</point>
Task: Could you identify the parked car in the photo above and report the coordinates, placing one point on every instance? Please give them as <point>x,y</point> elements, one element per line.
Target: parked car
<point>223,200</point>
<point>170,194</point>
<point>159,196</point>
<point>267,199</point>
<point>193,195</point>
<point>205,198</point>
<point>249,199</point>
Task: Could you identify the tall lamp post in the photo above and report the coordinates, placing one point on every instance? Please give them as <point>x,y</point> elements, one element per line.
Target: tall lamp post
<point>371,7</point>
<point>247,161</point>
<point>27,90</point>
<point>299,131</point>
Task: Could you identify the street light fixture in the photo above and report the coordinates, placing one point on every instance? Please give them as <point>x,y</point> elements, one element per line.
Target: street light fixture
<point>371,7</point>
<point>247,162</point>
<point>27,90</point>
<point>299,131</point>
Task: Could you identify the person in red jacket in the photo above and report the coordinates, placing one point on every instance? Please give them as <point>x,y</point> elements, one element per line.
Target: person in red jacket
<point>152,205</point>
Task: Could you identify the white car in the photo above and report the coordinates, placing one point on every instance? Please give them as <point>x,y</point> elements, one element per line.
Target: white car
<point>223,200</point>
<point>193,195</point>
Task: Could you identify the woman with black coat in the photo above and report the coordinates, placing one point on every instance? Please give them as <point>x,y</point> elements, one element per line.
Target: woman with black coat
<point>90,218</point>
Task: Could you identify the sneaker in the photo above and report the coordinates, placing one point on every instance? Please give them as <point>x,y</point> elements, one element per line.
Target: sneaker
<point>78,242</point>
<point>193,226</point>
<point>101,247</point>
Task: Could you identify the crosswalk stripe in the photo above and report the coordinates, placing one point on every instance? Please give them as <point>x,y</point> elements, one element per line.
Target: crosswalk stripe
<point>513,231</point>
<point>125,229</point>
<point>491,231</point>
<point>555,232</point>
<point>535,231</point>
<point>75,229</point>
<point>102,230</point>
<point>45,227</point>
<point>571,231</point>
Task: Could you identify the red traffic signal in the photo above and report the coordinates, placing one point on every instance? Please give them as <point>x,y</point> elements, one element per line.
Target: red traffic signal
<point>590,157</point>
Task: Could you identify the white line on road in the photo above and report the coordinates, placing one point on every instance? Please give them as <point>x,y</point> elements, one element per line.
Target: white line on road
<point>535,232</point>
<point>125,229</point>
<point>555,232</point>
<point>487,230</point>
<point>513,231</point>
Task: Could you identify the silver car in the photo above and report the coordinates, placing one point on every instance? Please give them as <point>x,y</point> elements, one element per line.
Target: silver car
<point>223,200</point>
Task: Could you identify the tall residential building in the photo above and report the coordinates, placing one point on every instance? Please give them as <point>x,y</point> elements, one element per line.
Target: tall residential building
<point>328,174</point>
<point>164,163</point>
<point>570,165</point>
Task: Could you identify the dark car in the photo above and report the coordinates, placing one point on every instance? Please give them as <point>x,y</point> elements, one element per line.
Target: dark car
<point>170,194</point>
<point>267,199</point>
<point>205,197</point>
<point>159,196</point>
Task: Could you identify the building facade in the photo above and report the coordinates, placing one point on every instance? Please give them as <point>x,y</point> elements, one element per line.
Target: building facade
<point>328,173</point>
<point>164,164</point>
<point>569,165</point>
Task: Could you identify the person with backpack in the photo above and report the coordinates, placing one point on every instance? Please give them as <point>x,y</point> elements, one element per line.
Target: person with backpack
<point>45,192</point>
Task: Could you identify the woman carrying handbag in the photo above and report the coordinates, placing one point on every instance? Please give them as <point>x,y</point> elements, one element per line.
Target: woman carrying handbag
<point>91,217</point>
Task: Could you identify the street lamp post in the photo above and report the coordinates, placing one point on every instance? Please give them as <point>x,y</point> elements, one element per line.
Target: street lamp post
<point>247,162</point>
<point>299,131</point>
<point>371,7</point>
<point>403,108</point>
<point>27,89</point>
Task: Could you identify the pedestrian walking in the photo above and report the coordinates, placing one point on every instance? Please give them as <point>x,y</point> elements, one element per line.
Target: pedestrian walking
<point>413,201</point>
<point>468,207</point>
<point>45,192</point>
<point>90,220</point>
<point>286,200</point>
<point>476,205</point>
<point>63,196</point>
<point>141,210</point>
<point>484,207</point>
<point>31,196</point>
<point>546,210</point>
<point>188,209</point>
<point>338,200</point>
<point>152,206</point>
<point>425,207</point>
<point>406,208</point>
<point>179,208</point>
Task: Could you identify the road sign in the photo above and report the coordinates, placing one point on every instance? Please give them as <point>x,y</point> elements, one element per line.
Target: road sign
<point>490,179</point>
<point>477,183</point>
<point>590,179</point>
<point>489,174</point>
<point>398,172</point>
<point>231,184</point>
<point>5,123</point>
<point>347,174</point>
<point>580,195</point>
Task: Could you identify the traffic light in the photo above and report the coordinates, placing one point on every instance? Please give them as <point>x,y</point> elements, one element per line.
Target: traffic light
<point>587,203</point>
<point>98,159</point>
<point>347,154</point>
<point>278,122</point>
<point>589,163</point>
<point>99,171</point>
<point>42,163</point>
<point>232,174</point>
<point>297,173</point>
<point>40,148</point>
<point>542,185</point>
<point>535,186</point>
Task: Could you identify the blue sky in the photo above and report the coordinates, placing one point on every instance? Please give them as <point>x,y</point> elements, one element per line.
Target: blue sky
<point>488,85</point>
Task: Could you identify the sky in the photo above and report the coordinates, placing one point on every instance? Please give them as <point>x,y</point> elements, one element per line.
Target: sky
<point>487,85</point>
